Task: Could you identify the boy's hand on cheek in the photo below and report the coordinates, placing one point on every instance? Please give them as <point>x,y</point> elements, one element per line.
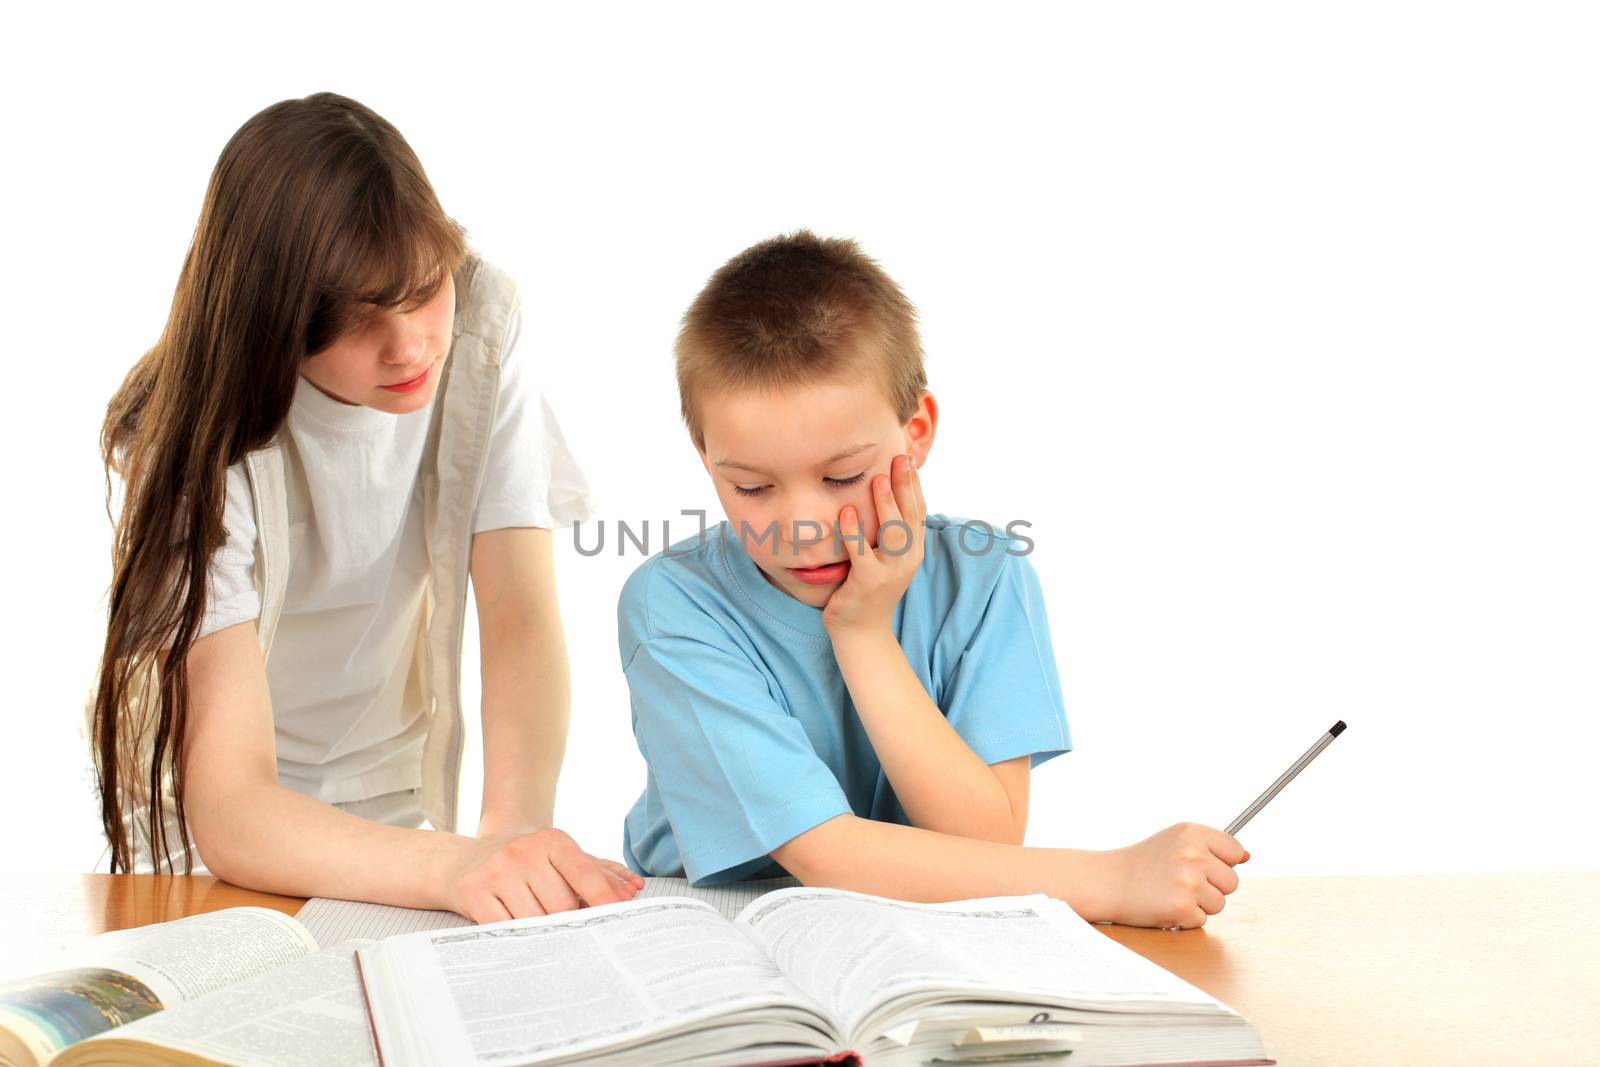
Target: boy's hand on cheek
<point>879,576</point>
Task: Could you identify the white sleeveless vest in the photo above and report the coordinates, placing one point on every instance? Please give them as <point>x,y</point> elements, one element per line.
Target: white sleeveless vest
<point>453,463</point>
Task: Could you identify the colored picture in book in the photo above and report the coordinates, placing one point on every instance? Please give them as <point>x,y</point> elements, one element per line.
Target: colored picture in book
<point>68,1006</point>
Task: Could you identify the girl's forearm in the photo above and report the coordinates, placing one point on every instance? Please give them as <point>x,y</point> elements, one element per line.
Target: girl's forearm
<point>943,785</point>
<point>527,701</point>
<point>907,863</point>
<point>270,838</point>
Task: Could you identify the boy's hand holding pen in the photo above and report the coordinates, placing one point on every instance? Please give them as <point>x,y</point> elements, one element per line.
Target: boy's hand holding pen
<point>1172,879</point>
<point>1175,878</point>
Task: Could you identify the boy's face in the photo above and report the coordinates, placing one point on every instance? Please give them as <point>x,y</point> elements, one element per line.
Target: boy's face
<point>392,361</point>
<point>784,460</point>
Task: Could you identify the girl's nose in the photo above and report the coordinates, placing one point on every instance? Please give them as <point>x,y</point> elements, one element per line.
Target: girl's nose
<point>405,342</point>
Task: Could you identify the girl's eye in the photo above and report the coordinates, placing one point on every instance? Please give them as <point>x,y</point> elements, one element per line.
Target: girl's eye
<point>758,490</point>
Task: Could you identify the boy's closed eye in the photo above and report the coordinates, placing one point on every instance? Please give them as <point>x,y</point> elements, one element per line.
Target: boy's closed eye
<point>839,482</point>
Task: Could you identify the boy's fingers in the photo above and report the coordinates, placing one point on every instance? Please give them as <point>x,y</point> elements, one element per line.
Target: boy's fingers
<point>906,496</point>
<point>1222,876</point>
<point>917,509</point>
<point>905,493</point>
<point>1226,848</point>
<point>888,507</point>
<point>1210,899</point>
<point>850,523</point>
<point>889,510</point>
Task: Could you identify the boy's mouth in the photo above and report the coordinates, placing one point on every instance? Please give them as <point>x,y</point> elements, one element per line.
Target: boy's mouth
<point>826,574</point>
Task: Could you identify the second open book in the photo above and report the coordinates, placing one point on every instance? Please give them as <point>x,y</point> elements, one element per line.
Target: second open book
<point>799,975</point>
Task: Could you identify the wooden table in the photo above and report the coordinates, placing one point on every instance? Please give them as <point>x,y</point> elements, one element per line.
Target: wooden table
<point>1441,969</point>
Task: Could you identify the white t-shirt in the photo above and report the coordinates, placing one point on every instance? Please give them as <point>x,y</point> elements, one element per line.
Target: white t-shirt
<point>346,704</point>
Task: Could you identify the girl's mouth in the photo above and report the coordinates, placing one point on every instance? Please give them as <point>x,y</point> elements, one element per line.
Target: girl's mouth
<point>411,385</point>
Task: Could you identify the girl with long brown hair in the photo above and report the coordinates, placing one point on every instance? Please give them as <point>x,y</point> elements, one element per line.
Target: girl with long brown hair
<point>332,434</point>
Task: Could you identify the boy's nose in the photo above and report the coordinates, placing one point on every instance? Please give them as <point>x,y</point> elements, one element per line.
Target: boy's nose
<point>807,533</point>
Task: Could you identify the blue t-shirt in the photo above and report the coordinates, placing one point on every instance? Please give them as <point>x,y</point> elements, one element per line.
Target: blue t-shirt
<point>742,714</point>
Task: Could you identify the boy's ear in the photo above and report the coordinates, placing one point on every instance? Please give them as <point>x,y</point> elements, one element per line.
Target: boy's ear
<point>920,429</point>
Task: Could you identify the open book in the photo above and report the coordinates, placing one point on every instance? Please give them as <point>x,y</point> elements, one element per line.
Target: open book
<point>235,987</point>
<point>244,986</point>
<point>800,975</point>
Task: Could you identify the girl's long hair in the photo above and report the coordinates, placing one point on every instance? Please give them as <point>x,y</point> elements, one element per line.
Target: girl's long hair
<point>317,215</point>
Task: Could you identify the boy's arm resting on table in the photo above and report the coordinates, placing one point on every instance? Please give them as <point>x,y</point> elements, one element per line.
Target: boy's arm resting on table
<point>1176,877</point>
<point>940,781</point>
<point>910,863</point>
<point>736,778</point>
<point>253,831</point>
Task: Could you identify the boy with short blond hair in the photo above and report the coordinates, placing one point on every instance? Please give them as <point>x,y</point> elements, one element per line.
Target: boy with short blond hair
<point>833,682</point>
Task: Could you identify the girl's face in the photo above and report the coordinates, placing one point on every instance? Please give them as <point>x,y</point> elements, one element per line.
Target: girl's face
<point>391,362</point>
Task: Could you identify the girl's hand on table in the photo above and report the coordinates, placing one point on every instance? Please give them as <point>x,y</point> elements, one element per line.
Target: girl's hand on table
<point>515,875</point>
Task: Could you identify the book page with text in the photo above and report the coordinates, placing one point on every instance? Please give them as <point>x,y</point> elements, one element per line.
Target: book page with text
<point>116,978</point>
<point>853,952</point>
<point>306,1014</point>
<point>189,957</point>
<point>531,990</point>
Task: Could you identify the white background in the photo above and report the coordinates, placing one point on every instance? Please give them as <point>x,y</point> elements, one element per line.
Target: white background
<point>1277,321</point>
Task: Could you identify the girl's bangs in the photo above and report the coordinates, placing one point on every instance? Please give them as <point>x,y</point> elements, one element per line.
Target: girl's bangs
<point>397,264</point>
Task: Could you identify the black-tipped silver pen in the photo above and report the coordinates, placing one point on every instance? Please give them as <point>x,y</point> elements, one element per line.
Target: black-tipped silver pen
<point>1288,776</point>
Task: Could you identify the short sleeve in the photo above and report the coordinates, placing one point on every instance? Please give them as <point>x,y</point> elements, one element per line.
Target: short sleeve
<point>734,771</point>
<point>231,595</point>
<point>1004,695</point>
<point>531,477</point>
